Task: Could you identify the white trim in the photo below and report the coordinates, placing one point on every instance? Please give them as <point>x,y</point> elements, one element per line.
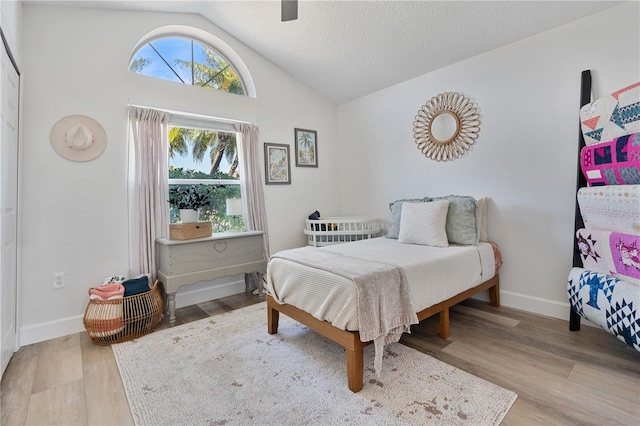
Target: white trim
<point>536,306</point>
<point>531,304</point>
<point>191,121</point>
<point>204,292</point>
<point>204,181</point>
<point>20,210</point>
<point>51,329</point>
<point>190,116</point>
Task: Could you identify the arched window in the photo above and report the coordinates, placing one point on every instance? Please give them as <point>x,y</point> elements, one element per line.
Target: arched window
<point>187,61</point>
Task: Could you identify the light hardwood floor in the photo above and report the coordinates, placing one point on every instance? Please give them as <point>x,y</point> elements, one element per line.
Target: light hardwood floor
<point>561,377</point>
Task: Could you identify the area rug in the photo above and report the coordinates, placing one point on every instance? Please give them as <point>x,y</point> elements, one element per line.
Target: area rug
<point>227,369</point>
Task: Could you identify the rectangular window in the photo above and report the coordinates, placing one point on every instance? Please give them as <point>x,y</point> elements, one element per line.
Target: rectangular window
<point>206,154</point>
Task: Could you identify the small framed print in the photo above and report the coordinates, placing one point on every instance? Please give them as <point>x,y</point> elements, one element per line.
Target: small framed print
<point>306,148</point>
<point>277,167</point>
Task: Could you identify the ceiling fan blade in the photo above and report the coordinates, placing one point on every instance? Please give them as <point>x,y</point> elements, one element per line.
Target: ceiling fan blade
<point>289,10</point>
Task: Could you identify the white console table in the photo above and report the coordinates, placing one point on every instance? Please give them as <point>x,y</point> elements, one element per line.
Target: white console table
<point>186,262</point>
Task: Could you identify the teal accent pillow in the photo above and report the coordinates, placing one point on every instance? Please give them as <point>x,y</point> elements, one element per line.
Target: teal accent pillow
<point>396,213</point>
<point>461,219</point>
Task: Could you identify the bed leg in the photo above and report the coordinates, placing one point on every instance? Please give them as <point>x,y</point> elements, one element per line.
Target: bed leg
<point>272,317</point>
<point>494,294</point>
<point>444,323</point>
<point>574,321</point>
<point>355,368</point>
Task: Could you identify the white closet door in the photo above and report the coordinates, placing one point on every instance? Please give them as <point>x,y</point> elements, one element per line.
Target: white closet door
<point>9,94</point>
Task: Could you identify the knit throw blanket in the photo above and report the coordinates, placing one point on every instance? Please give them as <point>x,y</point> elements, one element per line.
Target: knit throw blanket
<point>385,310</point>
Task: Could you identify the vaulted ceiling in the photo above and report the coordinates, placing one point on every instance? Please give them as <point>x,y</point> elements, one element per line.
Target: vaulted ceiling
<point>347,49</point>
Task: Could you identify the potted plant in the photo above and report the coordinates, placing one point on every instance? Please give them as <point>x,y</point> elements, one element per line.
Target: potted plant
<point>189,199</point>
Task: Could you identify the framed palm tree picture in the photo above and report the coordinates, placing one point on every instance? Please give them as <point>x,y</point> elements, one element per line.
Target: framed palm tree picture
<point>276,167</point>
<point>306,148</point>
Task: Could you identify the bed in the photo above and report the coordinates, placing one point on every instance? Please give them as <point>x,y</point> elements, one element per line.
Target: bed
<point>328,301</point>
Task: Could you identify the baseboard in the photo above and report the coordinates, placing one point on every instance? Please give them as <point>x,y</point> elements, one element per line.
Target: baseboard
<point>538,305</point>
<point>187,296</point>
<point>50,330</point>
<point>204,292</point>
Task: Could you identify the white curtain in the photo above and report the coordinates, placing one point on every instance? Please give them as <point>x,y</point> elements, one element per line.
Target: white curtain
<point>252,192</point>
<point>148,187</point>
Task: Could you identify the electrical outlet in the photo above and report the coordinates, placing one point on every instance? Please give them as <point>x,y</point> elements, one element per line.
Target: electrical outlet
<point>59,280</point>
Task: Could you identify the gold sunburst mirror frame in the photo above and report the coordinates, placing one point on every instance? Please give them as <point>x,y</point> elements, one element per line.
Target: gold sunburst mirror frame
<point>446,127</point>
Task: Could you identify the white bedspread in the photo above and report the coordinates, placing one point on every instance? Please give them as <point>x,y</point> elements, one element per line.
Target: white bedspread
<point>434,274</point>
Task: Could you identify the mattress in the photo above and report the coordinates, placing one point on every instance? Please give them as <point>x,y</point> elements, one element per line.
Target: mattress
<point>606,301</point>
<point>434,274</point>
<point>615,162</point>
<point>612,253</point>
<point>612,208</point>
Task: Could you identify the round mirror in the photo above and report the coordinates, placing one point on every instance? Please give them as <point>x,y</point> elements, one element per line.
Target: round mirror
<point>446,127</point>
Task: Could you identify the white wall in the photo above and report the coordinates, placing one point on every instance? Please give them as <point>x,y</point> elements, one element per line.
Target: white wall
<point>525,158</point>
<point>75,214</point>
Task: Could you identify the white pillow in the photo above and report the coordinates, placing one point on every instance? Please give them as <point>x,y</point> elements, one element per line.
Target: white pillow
<point>424,223</point>
<point>481,217</point>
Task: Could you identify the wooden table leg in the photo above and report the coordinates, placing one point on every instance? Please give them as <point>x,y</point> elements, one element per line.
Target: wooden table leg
<point>260,284</point>
<point>444,323</point>
<point>355,369</point>
<point>494,293</point>
<point>272,317</point>
<point>172,309</point>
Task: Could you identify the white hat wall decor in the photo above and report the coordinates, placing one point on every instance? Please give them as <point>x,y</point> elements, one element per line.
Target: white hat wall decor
<point>78,138</point>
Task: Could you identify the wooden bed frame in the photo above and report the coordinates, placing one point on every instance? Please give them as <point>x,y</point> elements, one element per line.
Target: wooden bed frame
<point>350,340</point>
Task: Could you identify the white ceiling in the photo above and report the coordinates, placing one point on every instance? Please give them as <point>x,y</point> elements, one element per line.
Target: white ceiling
<point>347,49</point>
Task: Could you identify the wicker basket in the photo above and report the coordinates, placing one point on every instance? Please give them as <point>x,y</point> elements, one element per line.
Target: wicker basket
<point>119,320</point>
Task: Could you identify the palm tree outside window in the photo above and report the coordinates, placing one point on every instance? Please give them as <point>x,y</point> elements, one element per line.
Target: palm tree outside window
<point>208,157</point>
<point>187,61</point>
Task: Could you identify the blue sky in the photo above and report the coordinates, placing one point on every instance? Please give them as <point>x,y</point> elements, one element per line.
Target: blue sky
<point>171,49</point>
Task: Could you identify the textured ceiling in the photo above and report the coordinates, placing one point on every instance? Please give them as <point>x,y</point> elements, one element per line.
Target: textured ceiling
<point>347,49</point>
